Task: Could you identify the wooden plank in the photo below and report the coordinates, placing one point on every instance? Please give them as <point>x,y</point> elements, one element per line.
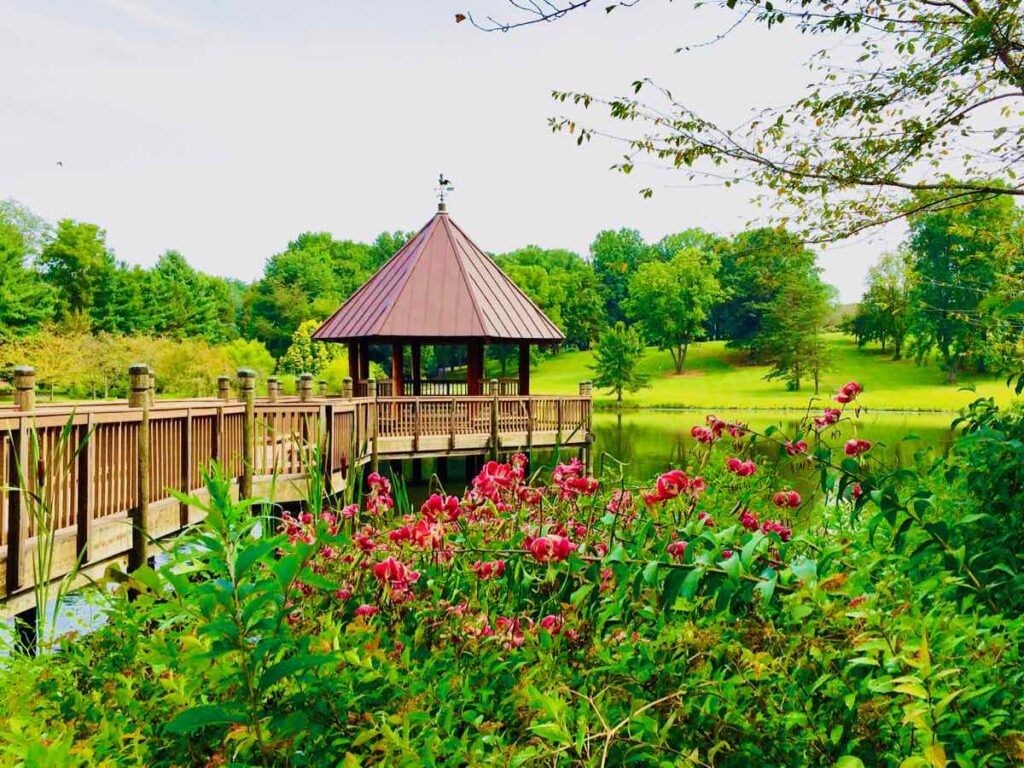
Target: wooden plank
<point>185,464</point>
<point>16,515</point>
<point>86,483</point>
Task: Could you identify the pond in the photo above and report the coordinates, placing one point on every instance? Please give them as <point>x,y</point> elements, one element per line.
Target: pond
<point>650,441</point>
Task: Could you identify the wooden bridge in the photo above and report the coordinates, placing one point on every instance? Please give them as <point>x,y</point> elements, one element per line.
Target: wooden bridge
<point>110,500</point>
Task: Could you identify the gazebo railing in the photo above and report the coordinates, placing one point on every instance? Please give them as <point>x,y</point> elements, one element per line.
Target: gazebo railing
<point>433,387</point>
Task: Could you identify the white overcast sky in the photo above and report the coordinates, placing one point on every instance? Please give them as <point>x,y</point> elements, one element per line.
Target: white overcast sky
<point>225,129</point>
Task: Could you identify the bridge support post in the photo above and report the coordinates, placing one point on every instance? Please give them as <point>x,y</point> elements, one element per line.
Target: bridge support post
<point>152,387</point>
<point>247,388</point>
<point>347,388</point>
<point>495,437</point>
<point>371,392</point>
<point>586,390</point>
<point>139,397</point>
<point>27,625</point>
<point>322,388</point>
<point>273,390</point>
<point>224,387</point>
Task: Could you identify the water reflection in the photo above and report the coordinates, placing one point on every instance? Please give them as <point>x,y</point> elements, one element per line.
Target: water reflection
<point>648,442</point>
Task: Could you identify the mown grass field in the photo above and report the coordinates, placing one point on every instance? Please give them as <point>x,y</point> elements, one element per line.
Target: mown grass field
<point>717,377</point>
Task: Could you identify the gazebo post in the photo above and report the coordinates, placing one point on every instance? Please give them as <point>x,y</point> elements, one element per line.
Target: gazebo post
<point>417,370</point>
<point>524,368</point>
<point>353,361</point>
<point>474,367</point>
<point>397,364</point>
<point>364,360</point>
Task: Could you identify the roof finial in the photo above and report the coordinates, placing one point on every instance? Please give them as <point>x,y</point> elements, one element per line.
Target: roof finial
<point>444,186</point>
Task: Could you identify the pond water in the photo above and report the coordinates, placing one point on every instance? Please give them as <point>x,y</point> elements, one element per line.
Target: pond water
<point>650,441</point>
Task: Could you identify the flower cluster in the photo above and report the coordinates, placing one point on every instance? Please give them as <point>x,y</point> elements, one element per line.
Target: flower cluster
<point>789,499</point>
<point>740,467</point>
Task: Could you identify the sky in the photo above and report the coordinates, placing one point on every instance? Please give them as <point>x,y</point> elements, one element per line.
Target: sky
<point>225,129</point>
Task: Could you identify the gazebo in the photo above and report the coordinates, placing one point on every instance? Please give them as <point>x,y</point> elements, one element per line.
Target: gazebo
<point>440,288</point>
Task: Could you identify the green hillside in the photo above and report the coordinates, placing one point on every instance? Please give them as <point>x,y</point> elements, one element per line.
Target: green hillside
<point>717,377</point>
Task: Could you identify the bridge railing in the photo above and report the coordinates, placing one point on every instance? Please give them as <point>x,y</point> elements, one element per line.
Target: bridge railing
<point>83,466</point>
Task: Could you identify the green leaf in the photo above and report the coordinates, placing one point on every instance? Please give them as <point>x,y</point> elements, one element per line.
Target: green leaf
<point>551,732</point>
<point>691,583</point>
<point>194,718</point>
<point>651,573</point>
<point>251,555</point>
<point>849,761</point>
<point>280,670</point>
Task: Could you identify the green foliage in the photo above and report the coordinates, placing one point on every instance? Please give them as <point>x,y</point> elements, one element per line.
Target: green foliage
<point>884,313</point>
<point>25,300</point>
<point>76,261</point>
<point>672,300</point>
<point>616,356</point>
<point>791,338</point>
<point>959,257</point>
<point>615,255</point>
<point>304,355</point>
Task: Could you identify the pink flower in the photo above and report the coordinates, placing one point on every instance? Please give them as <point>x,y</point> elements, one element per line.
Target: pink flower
<point>549,549</point>
<point>551,623</point>
<point>726,554</point>
<point>855,447</point>
<point>394,573</point>
<point>671,484</point>
<point>828,417</point>
<point>705,518</point>
<point>702,434</point>
<point>789,499</point>
<point>367,610</point>
<point>848,393</point>
<point>677,549</point>
<point>733,464</point>
<point>437,506</point>
<point>749,520</point>
<point>857,491</point>
<point>793,449</point>
<point>343,594</point>
<point>489,569</point>
<point>773,526</point>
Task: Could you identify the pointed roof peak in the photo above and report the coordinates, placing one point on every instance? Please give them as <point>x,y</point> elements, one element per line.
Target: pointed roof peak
<point>440,286</point>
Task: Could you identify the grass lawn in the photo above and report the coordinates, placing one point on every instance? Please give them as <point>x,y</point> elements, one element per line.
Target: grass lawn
<point>717,377</point>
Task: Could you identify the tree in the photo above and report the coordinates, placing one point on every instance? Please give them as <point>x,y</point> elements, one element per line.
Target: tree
<point>959,257</point>
<point>615,256</point>
<point>671,301</point>
<point>305,355</point>
<point>753,266</point>
<point>75,261</point>
<point>791,337</point>
<point>884,312</point>
<point>616,356</point>
<point>25,300</point>
<point>938,84</point>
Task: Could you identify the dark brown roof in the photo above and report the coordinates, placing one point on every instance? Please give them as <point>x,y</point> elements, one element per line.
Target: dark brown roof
<point>439,286</point>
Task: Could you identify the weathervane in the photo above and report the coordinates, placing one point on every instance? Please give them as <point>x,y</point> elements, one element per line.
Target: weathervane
<point>444,187</point>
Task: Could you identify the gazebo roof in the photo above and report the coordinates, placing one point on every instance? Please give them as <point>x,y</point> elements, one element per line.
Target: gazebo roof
<point>440,286</point>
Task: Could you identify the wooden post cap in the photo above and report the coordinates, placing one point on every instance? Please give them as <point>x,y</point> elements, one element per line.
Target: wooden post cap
<point>24,376</point>
<point>494,386</point>
<point>138,384</point>
<point>246,378</point>
<point>323,386</point>
<point>305,376</point>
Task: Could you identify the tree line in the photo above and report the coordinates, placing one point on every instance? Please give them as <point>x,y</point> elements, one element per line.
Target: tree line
<point>760,290</point>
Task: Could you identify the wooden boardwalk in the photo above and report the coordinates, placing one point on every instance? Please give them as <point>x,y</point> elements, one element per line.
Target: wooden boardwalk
<point>135,455</point>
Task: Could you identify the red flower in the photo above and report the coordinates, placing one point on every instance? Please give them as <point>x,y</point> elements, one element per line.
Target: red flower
<point>367,610</point>
<point>705,518</point>
<point>440,506</point>
<point>855,447</point>
<point>343,594</point>
<point>550,549</point>
<point>740,467</point>
<point>848,393</point>
<point>789,499</point>
<point>793,449</point>
<point>671,484</point>
<point>551,623</point>
<point>490,569</point>
<point>773,526</point>
<point>702,434</point>
<point>394,573</point>
<point>677,549</point>
<point>828,417</point>
<point>749,520</point>
<point>857,491</point>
